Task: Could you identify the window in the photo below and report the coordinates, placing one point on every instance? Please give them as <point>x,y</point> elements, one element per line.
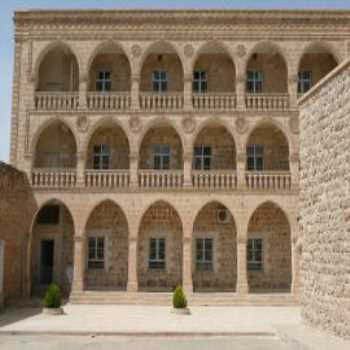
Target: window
<point>96,251</point>
<point>157,253</point>
<point>255,254</point>
<point>49,215</point>
<point>160,81</point>
<point>101,156</point>
<point>161,157</point>
<point>104,81</point>
<point>255,157</point>
<point>200,82</point>
<point>304,81</point>
<point>204,250</point>
<point>255,81</point>
<point>202,157</point>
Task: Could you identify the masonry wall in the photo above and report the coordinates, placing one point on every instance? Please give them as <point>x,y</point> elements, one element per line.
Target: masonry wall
<point>17,207</point>
<point>325,205</point>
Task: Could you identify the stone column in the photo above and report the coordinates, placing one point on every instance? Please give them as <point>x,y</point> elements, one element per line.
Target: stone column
<point>187,282</point>
<point>294,170</point>
<point>296,247</point>
<point>79,263</point>
<point>135,92</point>
<point>242,275</point>
<point>188,105</point>
<point>132,262</point>
<point>80,169</point>
<point>241,161</point>
<point>188,169</point>
<point>83,89</point>
<point>134,165</point>
<point>241,90</point>
<point>293,89</point>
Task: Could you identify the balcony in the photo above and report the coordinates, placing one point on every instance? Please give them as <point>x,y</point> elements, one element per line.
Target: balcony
<point>108,101</point>
<point>54,178</point>
<point>268,180</point>
<point>56,101</point>
<point>107,178</point>
<point>150,179</point>
<point>150,101</point>
<point>267,102</point>
<point>214,101</point>
<point>214,179</point>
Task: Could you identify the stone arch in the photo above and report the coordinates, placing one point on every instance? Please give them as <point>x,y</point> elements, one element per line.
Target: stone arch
<point>107,234</point>
<point>49,48</point>
<point>45,128</point>
<point>160,240</point>
<point>215,229</point>
<point>269,228</point>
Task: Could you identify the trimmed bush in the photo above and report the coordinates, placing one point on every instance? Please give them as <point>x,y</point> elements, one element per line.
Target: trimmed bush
<point>53,297</point>
<point>179,298</point>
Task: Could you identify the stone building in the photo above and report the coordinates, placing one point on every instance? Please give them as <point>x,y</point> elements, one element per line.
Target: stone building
<point>163,148</point>
<point>325,202</point>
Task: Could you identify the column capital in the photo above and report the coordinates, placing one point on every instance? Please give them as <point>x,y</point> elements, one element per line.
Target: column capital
<point>79,239</point>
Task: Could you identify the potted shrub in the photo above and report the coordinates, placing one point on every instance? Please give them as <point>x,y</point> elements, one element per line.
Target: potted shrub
<point>180,302</point>
<point>53,300</point>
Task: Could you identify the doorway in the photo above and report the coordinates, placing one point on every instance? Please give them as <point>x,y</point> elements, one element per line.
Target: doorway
<point>46,261</point>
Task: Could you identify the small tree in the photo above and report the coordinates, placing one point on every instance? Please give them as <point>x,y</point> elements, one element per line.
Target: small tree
<point>179,298</point>
<point>53,297</point>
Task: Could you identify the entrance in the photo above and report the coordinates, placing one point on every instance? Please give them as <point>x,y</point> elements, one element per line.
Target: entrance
<point>46,261</point>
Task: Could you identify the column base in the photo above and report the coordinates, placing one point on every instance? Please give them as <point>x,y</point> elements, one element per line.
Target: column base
<point>132,287</point>
<point>242,289</point>
<point>188,288</point>
<point>77,286</point>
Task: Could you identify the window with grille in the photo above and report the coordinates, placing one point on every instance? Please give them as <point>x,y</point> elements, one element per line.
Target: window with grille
<point>96,252</point>
<point>101,157</point>
<point>202,157</point>
<point>255,81</point>
<point>161,157</point>
<point>304,81</point>
<point>200,82</point>
<point>255,254</point>
<point>255,157</point>
<point>160,81</point>
<point>104,81</point>
<point>157,253</point>
<point>204,254</point>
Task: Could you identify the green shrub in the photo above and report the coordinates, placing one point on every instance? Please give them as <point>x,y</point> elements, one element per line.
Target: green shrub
<point>53,297</point>
<point>179,298</point>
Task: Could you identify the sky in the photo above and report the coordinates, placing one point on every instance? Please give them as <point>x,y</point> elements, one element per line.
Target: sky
<point>7,7</point>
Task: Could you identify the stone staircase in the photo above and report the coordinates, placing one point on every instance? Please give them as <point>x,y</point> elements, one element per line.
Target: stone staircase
<point>195,299</point>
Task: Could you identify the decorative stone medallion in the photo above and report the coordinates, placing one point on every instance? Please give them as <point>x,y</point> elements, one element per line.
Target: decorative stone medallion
<point>189,50</point>
<point>188,125</point>
<point>294,124</point>
<point>241,50</point>
<point>136,51</point>
<point>135,124</point>
<point>83,123</point>
<point>241,125</point>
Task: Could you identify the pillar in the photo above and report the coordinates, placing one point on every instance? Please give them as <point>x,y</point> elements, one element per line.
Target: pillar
<point>79,263</point>
<point>242,273</point>
<point>187,282</point>
<point>80,169</point>
<point>293,90</point>
<point>294,170</point>
<point>188,105</point>
<point>188,169</point>
<point>132,262</point>
<point>241,161</point>
<point>134,164</point>
<point>240,91</point>
<point>83,88</point>
<point>296,248</point>
<point>135,92</point>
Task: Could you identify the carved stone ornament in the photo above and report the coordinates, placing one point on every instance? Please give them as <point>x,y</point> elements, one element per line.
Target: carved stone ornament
<point>241,50</point>
<point>241,125</point>
<point>189,50</point>
<point>294,124</point>
<point>135,124</point>
<point>136,51</point>
<point>188,125</point>
<point>83,123</point>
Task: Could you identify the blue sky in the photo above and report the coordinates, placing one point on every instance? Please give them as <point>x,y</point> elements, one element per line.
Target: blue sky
<point>6,32</point>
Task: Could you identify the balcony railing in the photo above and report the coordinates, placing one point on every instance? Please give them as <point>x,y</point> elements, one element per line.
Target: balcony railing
<point>108,101</point>
<point>214,179</point>
<point>267,102</point>
<point>214,101</point>
<point>268,180</point>
<point>53,178</point>
<point>107,178</point>
<point>56,101</point>
<point>163,101</point>
<point>160,178</point>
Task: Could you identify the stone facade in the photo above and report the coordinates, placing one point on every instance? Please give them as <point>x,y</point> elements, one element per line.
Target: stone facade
<point>324,203</point>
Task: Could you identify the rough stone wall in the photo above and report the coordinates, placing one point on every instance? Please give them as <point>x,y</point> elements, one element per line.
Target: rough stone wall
<point>269,223</point>
<point>17,207</point>
<point>325,205</point>
<point>160,221</point>
<point>224,274</point>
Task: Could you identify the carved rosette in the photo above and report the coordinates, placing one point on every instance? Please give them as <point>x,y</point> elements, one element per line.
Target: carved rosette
<point>189,50</point>
<point>135,124</point>
<point>294,125</point>
<point>241,50</point>
<point>136,51</point>
<point>188,124</point>
<point>241,125</point>
<point>83,124</point>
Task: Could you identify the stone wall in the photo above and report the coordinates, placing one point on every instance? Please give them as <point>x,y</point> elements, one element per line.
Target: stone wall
<point>325,204</point>
<point>17,207</point>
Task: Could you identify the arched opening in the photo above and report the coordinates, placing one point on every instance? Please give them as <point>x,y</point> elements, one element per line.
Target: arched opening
<point>108,148</point>
<point>214,149</point>
<point>56,147</point>
<point>109,70</point>
<point>269,261</point>
<point>214,249</point>
<point>107,248</point>
<point>315,64</point>
<point>267,149</point>
<point>59,70</point>
<point>160,249</point>
<point>267,71</point>
<point>52,248</point>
